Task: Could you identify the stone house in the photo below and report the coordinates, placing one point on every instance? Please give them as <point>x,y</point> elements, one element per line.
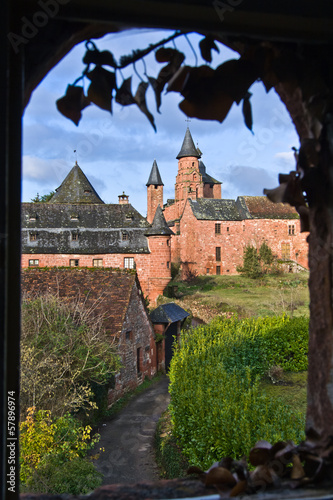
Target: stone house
<point>117,295</point>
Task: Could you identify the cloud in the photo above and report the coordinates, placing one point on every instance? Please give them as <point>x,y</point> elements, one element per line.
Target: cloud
<point>286,159</point>
<point>245,180</point>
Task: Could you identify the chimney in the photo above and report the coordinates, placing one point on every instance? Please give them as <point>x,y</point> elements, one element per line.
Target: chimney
<point>123,199</point>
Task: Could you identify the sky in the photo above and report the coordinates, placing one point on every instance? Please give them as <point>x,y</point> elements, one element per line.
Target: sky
<point>116,152</point>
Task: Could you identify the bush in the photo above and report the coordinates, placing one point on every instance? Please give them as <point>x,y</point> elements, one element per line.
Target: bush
<point>51,447</point>
<point>64,347</point>
<point>256,263</point>
<point>216,405</point>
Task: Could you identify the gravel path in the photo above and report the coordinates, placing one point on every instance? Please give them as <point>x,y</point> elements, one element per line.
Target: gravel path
<point>128,438</point>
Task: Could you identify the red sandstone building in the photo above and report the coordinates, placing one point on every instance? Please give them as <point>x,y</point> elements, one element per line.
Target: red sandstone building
<point>198,229</point>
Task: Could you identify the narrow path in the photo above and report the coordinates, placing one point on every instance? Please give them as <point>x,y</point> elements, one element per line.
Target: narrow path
<point>128,439</point>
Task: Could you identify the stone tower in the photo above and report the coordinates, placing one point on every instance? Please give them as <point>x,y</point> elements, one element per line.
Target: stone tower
<point>154,192</point>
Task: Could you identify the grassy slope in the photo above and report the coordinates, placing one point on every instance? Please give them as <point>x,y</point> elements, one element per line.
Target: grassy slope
<point>207,296</point>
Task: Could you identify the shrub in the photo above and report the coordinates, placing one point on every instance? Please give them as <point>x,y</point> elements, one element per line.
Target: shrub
<point>256,263</point>
<point>64,347</point>
<point>216,405</point>
<point>53,446</point>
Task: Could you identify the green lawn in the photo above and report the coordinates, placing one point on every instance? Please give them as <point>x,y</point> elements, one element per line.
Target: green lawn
<point>291,388</point>
<point>267,296</point>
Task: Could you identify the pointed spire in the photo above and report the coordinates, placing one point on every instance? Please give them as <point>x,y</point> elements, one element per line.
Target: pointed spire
<point>159,225</point>
<point>188,148</point>
<point>76,188</point>
<point>155,176</point>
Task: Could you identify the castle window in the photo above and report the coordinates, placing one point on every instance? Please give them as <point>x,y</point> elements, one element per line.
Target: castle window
<point>207,270</point>
<point>168,243</point>
<point>192,163</point>
<point>217,228</point>
<point>138,360</point>
<point>291,230</point>
<point>74,217</point>
<point>75,236</point>
<point>168,265</point>
<point>32,217</point>
<point>218,253</point>
<point>32,236</point>
<point>218,270</point>
<point>227,229</point>
<point>74,262</point>
<point>98,262</point>
<point>87,191</point>
<point>33,262</point>
<point>124,236</point>
<point>129,263</point>
<point>285,251</point>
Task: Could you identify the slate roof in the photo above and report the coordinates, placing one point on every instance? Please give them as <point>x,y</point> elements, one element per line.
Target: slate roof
<point>155,176</point>
<point>245,207</point>
<point>109,287</point>
<point>212,209</point>
<point>260,207</point>
<point>100,228</point>
<point>206,178</point>
<point>188,148</point>
<point>76,188</point>
<point>168,313</point>
<point>159,225</point>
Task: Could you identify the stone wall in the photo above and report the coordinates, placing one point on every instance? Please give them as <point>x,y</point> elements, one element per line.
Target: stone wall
<point>198,242</point>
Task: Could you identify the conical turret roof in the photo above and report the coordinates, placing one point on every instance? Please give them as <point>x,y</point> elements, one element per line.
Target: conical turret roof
<point>76,188</point>
<point>188,148</point>
<point>155,176</point>
<point>159,225</point>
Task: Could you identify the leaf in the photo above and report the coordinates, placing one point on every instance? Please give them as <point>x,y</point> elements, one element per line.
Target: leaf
<point>157,88</point>
<point>206,46</point>
<point>247,111</point>
<point>176,83</point>
<point>100,90</point>
<point>140,99</point>
<point>194,470</point>
<point>297,470</point>
<point>238,489</point>
<point>104,58</point>
<point>236,76</point>
<point>124,93</point>
<point>260,454</point>
<point>219,475</point>
<point>166,54</point>
<point>262,475</point>
<point>72,103</point>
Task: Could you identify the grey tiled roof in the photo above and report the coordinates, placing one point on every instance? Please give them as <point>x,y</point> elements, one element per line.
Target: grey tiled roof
<point>76,188</point>
<point>212,209</point>
<point>159,225</point>
<point>168,313</point>
<point>188,148</point>
<point>206,178</point>
<point>100,228</point>
<point>155,176</point>
<point>260,207</point>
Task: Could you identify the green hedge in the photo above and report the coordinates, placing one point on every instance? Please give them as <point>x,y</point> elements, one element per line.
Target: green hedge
<point>216,405</point>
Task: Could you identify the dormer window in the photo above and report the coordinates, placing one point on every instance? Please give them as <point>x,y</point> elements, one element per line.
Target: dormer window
<point>87,191</point>
<point>124,236</point>
<point>74,217</point>
<point>75,236</point>
<point>129,216</point>
<point>32,217</point>
<point>32,236</point>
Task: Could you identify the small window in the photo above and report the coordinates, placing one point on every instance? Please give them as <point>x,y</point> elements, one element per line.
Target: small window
<point>87,191</point>
<point>243,228</point>
<point>138,359</point>
<point>228,229</point>
<point>33,236</point>
<point>217,228</point>
<point>75,217</point>
<point>168,243</point>
<point>168,265</point>
<point>97,262</point>
<point>207,270</point>
<point>129,263</point>
<point>291,230</point>
<point>32,217</point>
<point>218,270</point>
<point>129,335</point>
<point>218,253</point>
<point>192,163</point>
<point>124,236</point>
<point>75,236</point>
<point>33,262</point>
<point>74,262</point>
